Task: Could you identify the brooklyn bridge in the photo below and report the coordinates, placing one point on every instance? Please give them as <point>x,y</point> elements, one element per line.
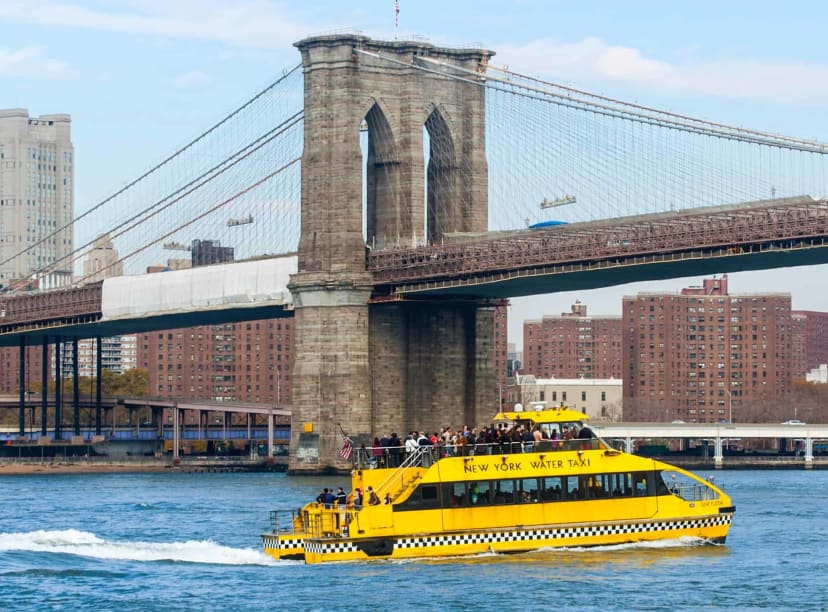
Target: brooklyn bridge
<point>400,190</point>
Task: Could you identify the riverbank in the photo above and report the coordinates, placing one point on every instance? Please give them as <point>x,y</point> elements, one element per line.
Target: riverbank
<point>85,466</point>
<point>60,467</point>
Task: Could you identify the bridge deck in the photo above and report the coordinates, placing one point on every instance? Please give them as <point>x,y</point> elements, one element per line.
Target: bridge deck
<point>756,231</point>
<point>755,235</point>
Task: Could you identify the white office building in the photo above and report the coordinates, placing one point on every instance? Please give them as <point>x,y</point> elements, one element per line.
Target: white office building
<point>599,398</point>
<point>36,196</point>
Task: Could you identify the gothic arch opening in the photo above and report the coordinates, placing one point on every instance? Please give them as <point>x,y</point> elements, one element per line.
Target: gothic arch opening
<point>442,209</point>
<point>381,167</point>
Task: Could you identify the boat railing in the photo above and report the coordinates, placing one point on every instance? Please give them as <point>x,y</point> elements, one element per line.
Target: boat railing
<point>424,456</point>
<point>284,521</point>
<point>396,482</point>
<point>693,492</point>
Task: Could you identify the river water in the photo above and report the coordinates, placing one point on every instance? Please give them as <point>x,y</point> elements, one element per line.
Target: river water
<point>191,542</point>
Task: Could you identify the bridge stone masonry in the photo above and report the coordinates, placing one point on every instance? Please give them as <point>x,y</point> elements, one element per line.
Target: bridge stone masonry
<point>378,368</point>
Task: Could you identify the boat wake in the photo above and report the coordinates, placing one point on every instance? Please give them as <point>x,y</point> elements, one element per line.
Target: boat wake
<point>85,544</point>
<point>680,542</point>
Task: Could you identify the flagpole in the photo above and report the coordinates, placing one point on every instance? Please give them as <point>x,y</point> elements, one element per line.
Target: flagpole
<point>396,18</point>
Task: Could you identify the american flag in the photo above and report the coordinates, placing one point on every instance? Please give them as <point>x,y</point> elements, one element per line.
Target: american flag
<point>347,449</point>
<point>396,14</point>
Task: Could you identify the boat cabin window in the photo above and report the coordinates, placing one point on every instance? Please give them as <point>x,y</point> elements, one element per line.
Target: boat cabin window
<point>550,431</point>
<point>546,489</point>
<point>528,489</point>
<point>479,493</point>
<point>553,488</point>
<point>504,491</point>
<point>424,497</point>
<point>455,495</point>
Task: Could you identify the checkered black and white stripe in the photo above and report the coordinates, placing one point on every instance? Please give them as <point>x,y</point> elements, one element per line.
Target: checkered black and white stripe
<point>329,547</point>
<point>282,542</point>
<point>551,534</point>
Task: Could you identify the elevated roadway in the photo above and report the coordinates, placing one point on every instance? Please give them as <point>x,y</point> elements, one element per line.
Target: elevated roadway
<point>717,432</point>
<point>224,293</point>
<point>760,235</point>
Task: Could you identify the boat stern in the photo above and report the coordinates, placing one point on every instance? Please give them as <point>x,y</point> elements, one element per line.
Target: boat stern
<point>287,546</point>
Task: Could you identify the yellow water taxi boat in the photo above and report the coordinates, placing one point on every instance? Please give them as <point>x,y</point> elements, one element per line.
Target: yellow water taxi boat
<point>510,497</point>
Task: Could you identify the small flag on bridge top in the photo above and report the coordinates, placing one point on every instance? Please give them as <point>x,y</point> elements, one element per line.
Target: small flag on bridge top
<point>347,449</point>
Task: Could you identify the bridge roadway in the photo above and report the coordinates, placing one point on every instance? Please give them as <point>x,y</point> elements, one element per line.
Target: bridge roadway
<point>760,235</point>
<point>757,235</point>
<point>226,293</point>
<point>718,432</point>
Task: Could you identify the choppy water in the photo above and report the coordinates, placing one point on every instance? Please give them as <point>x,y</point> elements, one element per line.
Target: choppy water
<point>191,542</point>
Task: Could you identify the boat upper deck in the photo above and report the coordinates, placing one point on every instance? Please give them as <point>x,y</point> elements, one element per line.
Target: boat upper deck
<point>427,455</point>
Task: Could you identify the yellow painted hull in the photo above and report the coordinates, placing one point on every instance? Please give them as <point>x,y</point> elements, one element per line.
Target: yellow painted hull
<point>284,547</point>
<point>710,528</point>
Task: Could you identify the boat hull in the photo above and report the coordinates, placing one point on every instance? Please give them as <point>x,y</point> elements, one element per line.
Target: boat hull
<point>707,529</point>
<point>284,546</point>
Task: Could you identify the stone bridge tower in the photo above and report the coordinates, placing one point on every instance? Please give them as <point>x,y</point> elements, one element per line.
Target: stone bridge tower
<point>378,368</point>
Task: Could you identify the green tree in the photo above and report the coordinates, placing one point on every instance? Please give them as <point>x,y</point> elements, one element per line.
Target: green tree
<point>132,383</point>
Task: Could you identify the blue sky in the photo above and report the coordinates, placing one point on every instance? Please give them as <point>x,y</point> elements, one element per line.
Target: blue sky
<point>140,77</point>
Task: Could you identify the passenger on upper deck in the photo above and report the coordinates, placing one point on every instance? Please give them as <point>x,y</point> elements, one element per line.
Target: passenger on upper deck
<point>585,433</point>
<point>537,434</point>
<point>394,450</point>
<point>326,497</point>
<point>410,444</point>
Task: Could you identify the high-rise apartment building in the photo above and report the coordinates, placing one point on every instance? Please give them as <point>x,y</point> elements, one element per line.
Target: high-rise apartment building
<point>814,341</point>
<point>799,341</point>
<point>36,196</point>
<point>572,345</point>
<point>246,362</point>
<point>704,355</point>
<point>118,354</point>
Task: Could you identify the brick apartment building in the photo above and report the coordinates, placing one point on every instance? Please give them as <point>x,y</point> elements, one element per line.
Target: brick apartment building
<point>573,345</point>
<point>704,355</point>
<point>812,341</point>
<point>246,362</point>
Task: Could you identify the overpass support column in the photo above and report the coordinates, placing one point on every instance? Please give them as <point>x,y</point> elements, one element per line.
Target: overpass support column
<point>809,453</point>
<point>270,437</point>
<point>629,444</point>
<point>718,456</point>
<point>98,368</point>
<point>75,389</point>
<point>21,421</point>
<point>176,432</point>
<point>58,389</point>
<point>44,386</point>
